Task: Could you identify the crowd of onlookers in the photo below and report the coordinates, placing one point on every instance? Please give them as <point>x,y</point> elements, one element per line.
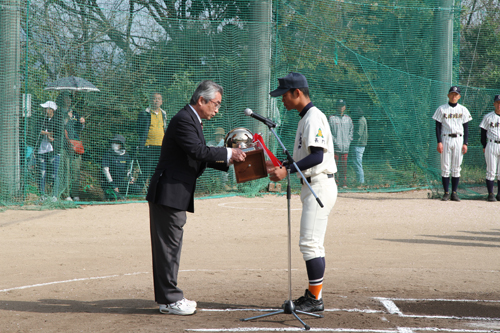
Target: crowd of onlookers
<point>59,150</point>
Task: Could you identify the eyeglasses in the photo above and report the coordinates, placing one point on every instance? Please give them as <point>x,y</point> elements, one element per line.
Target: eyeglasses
<point>217,105</point>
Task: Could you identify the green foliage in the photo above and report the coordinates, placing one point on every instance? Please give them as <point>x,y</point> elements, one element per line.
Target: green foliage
<point>379,56</point>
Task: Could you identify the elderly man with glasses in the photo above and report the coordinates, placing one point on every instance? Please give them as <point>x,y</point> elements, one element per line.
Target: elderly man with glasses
<point>184,156</point>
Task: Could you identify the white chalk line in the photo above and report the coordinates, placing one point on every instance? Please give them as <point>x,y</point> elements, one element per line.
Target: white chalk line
<point>129,274</point>
<point>273,310</point>
<point>389,304</point>
<point>244,205</point>
<point>288,329</point>
<point>440,300</point>
<point>72,280</point>
<point>317,329</point>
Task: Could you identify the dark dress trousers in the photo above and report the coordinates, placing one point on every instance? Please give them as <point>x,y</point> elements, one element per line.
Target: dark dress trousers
<point>184,157</point>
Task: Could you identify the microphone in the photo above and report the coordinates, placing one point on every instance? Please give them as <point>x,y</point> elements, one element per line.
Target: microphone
<point>267,121</point>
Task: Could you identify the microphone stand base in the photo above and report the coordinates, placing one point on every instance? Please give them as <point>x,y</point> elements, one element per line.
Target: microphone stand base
<point>288,308</point>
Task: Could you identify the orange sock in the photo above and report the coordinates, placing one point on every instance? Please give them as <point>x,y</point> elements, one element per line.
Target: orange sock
<point>316,290</point>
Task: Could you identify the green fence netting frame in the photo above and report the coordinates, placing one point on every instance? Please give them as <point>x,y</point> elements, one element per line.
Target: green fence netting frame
<point>393,59</point>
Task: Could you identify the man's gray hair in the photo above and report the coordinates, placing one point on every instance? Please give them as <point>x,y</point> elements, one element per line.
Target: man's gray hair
<point>206,89</point>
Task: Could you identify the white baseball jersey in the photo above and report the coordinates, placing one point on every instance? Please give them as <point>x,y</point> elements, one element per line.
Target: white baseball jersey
<point>313,130</point>
<point>452,120</point>
<point>491,123</point>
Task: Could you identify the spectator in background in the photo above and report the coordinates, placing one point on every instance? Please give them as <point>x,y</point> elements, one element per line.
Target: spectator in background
<point>71,161</point>
<point>219,135</point>
<point>342,131</point>
<point>49,151</point>
<point>151,126</point>
<point>118,180</point>
<point>360,141</point>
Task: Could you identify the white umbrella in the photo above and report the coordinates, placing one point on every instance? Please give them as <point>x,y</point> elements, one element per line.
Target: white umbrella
<point>72,83</point>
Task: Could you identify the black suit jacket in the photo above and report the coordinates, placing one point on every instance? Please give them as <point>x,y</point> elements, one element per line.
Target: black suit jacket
<point>184,156</point>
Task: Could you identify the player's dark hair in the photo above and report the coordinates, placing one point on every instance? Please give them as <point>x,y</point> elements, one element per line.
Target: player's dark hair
<point>304,90</point>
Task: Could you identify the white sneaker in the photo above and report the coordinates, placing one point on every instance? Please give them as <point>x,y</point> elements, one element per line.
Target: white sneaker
<point>53,199</point>
<point>192,303</point>
<point>68,199</point>
<point>183,307</point>
<point>76,199</point>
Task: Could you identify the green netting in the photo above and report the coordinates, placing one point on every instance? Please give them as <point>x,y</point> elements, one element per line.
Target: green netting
<point>393,59</point>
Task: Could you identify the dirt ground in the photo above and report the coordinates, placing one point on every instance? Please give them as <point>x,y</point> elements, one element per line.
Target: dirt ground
<point>396,262</point>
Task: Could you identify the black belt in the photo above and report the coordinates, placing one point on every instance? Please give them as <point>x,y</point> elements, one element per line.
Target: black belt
<point>494,141</point>
<point>330,175</point>
<point>453,135</point>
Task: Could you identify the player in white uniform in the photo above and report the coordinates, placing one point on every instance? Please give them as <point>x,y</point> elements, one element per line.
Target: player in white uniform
<point>452,132</point>
<point>490,139</point>
<point>313,154</point>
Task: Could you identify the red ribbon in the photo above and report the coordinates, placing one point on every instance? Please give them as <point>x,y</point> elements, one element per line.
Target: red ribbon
<point>258,137</point>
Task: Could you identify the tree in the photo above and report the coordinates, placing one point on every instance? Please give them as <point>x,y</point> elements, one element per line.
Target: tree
<point>480,37</point>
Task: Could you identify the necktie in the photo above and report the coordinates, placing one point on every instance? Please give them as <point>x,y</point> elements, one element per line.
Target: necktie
<point>201,123</point>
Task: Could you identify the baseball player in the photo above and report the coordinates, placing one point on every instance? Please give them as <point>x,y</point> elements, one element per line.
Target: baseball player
<point>452,132</point>
<point>490,139</point>
<point>313,153</point>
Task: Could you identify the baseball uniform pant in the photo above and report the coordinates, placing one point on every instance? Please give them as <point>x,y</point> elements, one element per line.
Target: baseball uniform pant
<point>166,225</point>
<point>314,219</point>
<point>358,163</point>
<point>492,156</point>
<point>451,157</point>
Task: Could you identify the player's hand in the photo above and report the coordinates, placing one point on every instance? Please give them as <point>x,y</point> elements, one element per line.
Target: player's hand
<point>238,155</point>
<point>440,147</point>
<point>117,190</point>
<point>82,120</point>
<point>277,174</point>
<point>269,166</point>
<point>464,149</point>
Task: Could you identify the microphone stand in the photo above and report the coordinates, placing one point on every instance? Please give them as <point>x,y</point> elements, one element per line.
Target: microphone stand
<point>288,307</point>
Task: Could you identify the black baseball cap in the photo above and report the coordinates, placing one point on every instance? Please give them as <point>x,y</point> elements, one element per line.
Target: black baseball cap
<point>291,81</point>
<point>496,99</point>
<point>454,89</point>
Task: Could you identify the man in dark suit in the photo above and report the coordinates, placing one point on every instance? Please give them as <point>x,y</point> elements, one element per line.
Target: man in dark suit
<point>184,156</point>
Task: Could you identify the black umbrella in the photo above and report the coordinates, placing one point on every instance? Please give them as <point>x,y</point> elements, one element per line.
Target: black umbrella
<point>71,83</point>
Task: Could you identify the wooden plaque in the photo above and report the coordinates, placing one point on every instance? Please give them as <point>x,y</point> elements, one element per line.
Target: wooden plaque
<point>254,167</point>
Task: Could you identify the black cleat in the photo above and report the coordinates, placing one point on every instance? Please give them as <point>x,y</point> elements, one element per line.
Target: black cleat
<point>309,303</point>
<point>498,197</point>
<point>454,196</point>
<point>446,196</point>
<point>491,197</point>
